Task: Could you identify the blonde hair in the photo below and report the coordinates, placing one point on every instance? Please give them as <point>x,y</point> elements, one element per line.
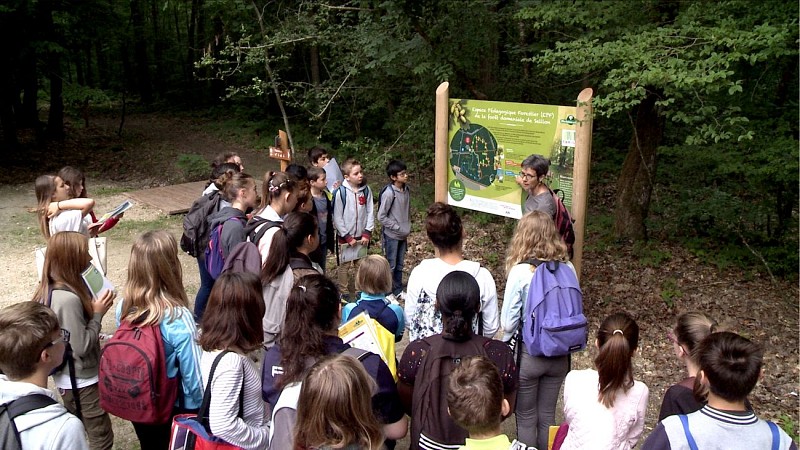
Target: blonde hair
<point>535,237</point>
<point>155,279</point>
<point>335,407</point>
<point>374,275</point>
<point>67,256</point>
<point>348,165</point>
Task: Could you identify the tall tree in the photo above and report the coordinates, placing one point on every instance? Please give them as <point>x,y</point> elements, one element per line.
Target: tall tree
<point>661,61</point>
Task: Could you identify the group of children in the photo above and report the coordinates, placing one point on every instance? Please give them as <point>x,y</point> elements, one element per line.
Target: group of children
<point>454,380</point>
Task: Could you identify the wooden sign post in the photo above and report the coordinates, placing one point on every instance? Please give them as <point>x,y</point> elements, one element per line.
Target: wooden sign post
<point>281,150</point>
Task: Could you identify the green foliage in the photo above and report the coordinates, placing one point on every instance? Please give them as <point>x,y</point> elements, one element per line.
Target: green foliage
<point>670,292</point>
<point>651,255</point>
<point>193,166</point>
<point>789,425</point>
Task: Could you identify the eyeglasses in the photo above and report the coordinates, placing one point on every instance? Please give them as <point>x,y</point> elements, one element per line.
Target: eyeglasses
<point>64,338</point>
<point>527,176</point>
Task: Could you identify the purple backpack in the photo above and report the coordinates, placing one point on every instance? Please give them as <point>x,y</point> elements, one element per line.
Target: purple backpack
<point>555,325</point>
<point>215,260</point>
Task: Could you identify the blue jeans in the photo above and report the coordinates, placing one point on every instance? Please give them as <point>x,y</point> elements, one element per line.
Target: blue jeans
<point>395,251</point>
<point>203,292</point>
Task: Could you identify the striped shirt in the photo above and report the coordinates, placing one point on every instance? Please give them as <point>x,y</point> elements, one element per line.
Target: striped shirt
<point>251,430</point>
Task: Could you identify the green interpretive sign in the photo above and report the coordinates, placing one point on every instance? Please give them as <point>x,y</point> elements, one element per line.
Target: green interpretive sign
<point>488,142</point>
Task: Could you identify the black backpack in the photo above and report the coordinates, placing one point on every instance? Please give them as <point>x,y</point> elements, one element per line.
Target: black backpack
<point>253,233</point>
<point>196,229</point>
<point>9,435</point>
<point>429,416</point>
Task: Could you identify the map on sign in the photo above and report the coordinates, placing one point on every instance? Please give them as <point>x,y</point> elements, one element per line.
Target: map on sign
<point>488,142</point>
<point>473,154</point>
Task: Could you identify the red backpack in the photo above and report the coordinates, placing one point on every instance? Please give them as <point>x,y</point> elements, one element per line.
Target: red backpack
<point>133,376</point>
<point>563,220</point>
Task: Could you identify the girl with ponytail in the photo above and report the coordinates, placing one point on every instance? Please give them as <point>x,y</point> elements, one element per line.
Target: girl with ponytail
<point>605,408</point>
<point>287,262</point>
<point>691,328</point>
<point>309,332</point>
<point>278,198</point>
<point>422,379</point>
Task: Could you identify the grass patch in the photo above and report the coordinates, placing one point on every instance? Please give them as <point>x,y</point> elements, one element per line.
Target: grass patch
<point>128,227</point>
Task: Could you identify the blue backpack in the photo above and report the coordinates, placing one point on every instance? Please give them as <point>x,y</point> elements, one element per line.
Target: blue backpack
<point>555,325</point>
<point>215,260</point>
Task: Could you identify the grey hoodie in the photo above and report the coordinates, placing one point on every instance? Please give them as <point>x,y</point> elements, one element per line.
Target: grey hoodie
<point>354,217</point>
<point>395,212</point>
<point>232,230</point>
<point>48,428</point>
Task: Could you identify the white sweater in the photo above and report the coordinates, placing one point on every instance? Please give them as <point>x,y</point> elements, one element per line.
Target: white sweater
<point>251,431</point>
<point>592,425</point>
<point>421,318</point>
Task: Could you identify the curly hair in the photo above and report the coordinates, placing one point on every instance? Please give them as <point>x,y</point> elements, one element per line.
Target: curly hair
<point>535,237</point>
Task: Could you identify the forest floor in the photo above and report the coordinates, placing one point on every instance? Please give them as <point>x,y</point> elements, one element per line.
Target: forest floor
<point>654,285</point>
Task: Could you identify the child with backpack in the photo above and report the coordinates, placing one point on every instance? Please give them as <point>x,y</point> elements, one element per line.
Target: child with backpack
<point>730,366</point>
<point>605,408</point>
<point>690,329</point>
<point>475,402</point>
<point>334,408</point>
<point>309,332</point>
<point>278,198</point>
<point>317,180</point>
<point>288,261</point>
<point>63,289</point>
<point>394,215</point>
<point>374,280</point>
<point>232,329</point>
<point>155,303</point>
<point>446,233</point>
<point>353,218</point>
<point>535,240</point>
<point>426,364</point>
<point>32,345</point>
<point>228,224</point>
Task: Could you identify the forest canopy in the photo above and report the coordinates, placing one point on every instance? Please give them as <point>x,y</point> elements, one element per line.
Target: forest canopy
<point>696,102</point>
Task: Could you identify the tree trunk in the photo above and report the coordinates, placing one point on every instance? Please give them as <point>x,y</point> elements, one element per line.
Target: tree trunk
<point>140,52</point>
<point>192,45</point>
<point>7,93</point>
<point>158,51</point>
<point>635,183</point>
<point>315,80</point>
<point>28,115</point>
<point>102,65</point>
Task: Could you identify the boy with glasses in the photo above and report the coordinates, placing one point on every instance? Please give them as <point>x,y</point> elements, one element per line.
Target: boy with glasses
<point>31,346</point>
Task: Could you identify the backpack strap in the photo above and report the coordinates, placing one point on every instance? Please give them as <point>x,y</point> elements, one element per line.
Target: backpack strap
<point>776,435</point>
<point>73,381</point>
<point>202,414</point>
<point>28,403</point>
<point>258,233</point>
<point>689,437</point>
<point>70,362</point>
<point>24,405</point>
<point>356,353</point>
